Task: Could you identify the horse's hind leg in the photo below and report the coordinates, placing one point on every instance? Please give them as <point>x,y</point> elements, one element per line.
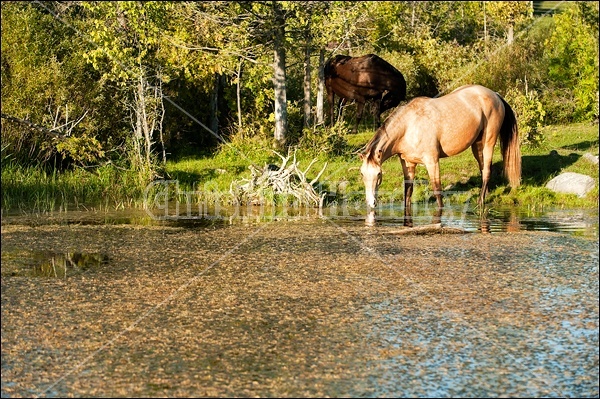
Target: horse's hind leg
<point>477,149</point>
<point>486,172</point>
<point>433,169</point>
<point>484,158</point>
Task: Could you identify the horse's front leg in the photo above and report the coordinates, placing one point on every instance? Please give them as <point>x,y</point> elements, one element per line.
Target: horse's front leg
<point>359,113</point>
<point>377,113</point>
<point>408,170</point>
<point>433,169</point>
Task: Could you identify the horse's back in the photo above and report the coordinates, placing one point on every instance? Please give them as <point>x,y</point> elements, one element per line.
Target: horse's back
<point>475,95</point>
<point>469,101</point>
<point>453,121</point>
<point>368,71</point>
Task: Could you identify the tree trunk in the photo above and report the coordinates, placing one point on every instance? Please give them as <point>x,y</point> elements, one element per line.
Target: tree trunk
<point>214,101</point>
<point>511,34</point>
<point>321,88</point>
<point>147,116</point>
<point>307,86</point>
<point>279,78</point>
<point>485,35</point>
<point>142,123</point>
<point>239,94</point>
<point>161,110</point>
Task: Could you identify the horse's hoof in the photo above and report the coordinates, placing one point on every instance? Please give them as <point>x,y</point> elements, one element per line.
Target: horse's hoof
<point>370,219</point>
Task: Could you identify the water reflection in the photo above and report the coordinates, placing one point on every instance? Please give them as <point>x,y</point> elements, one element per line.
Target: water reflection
<point>488,220</point>
<point>48,264</point>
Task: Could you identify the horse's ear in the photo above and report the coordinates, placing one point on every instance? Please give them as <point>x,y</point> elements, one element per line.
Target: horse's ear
<point>379,153</point>
<point>361,156</point>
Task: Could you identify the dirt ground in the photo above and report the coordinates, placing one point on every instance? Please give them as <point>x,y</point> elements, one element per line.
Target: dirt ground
<point>296,309</point>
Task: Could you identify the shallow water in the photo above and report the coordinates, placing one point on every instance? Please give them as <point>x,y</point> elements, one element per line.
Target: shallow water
<point>580,222</point>
<point>299,303</point>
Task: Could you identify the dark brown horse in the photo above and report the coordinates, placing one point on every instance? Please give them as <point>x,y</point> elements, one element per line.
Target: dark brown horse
<point>361,79</point>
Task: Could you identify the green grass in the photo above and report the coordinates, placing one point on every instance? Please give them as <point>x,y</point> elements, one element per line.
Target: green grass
<point>209,177</point>
<point>35,189</point>
<point>561,151</point>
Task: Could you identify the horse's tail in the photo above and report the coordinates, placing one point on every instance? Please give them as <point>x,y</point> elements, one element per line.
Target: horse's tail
<point>510,146</point>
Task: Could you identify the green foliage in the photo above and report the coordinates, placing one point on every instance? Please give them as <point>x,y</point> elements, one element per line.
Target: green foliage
<point>45,81</point>
<point>126,36</point>
<point>325,140</point>
<point>246,145</point>
<point>83,150</point>
<point>509,13</point>
<point>572,50</point>
<point>39,189</point>
<point>530,114</point>
<point>55,72</point>
<point>511,66</point>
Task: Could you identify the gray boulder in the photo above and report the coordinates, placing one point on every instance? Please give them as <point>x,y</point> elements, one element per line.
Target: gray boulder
<point>572,183</point>
<point>592,158</point>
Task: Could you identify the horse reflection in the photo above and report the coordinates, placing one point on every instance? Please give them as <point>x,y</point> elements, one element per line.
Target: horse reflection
<point>484,225</point>
<point>371,219</point>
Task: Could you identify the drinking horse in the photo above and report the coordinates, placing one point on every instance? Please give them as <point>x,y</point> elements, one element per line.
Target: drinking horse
<point>361,79</point>
<point>427,129</point>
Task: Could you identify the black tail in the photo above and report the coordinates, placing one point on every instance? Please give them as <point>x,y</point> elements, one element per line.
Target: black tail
<point>510,146</point>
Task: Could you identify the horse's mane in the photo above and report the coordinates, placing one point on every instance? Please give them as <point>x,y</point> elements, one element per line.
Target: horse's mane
<point>371,146</point>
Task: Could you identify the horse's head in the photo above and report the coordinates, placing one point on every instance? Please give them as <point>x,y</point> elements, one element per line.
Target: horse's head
<point>371,176</point>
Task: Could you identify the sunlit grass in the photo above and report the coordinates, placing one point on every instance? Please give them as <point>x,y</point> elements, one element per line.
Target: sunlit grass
<point>561,151</point>
<point>37,189</point>
<point>208,178</point>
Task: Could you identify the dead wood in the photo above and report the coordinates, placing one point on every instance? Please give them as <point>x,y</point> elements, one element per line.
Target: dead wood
<point>436,228</point>
<point>287,181</point>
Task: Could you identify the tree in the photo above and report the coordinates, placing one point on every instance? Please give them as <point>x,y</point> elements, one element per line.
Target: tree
<point>46,83</point>
<point>508,14</point>
<point>572,51</point>
<point>127,38</point>
<point>279,77</point>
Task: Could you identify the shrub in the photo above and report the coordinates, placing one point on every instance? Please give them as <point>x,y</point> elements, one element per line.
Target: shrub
<point>329,140</point>
<point>572,50</point>
<point>530,114</point>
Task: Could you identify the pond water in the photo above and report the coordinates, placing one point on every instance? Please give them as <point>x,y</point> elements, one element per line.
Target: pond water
<point>580,222</point>
<point>297,302</point>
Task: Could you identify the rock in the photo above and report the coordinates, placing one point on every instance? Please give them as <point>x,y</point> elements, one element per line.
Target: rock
<point>592,158</point>
<point>572,183</point>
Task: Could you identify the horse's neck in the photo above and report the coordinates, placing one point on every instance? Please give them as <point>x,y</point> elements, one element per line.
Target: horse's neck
<point>386,144</point>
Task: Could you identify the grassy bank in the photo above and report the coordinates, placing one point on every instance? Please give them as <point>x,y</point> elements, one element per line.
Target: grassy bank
<point>562,150</point>
<point>208,178</point>
<point>35,189</point>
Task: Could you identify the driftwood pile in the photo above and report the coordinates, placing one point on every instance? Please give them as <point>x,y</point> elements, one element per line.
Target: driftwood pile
<point>287,182</point>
